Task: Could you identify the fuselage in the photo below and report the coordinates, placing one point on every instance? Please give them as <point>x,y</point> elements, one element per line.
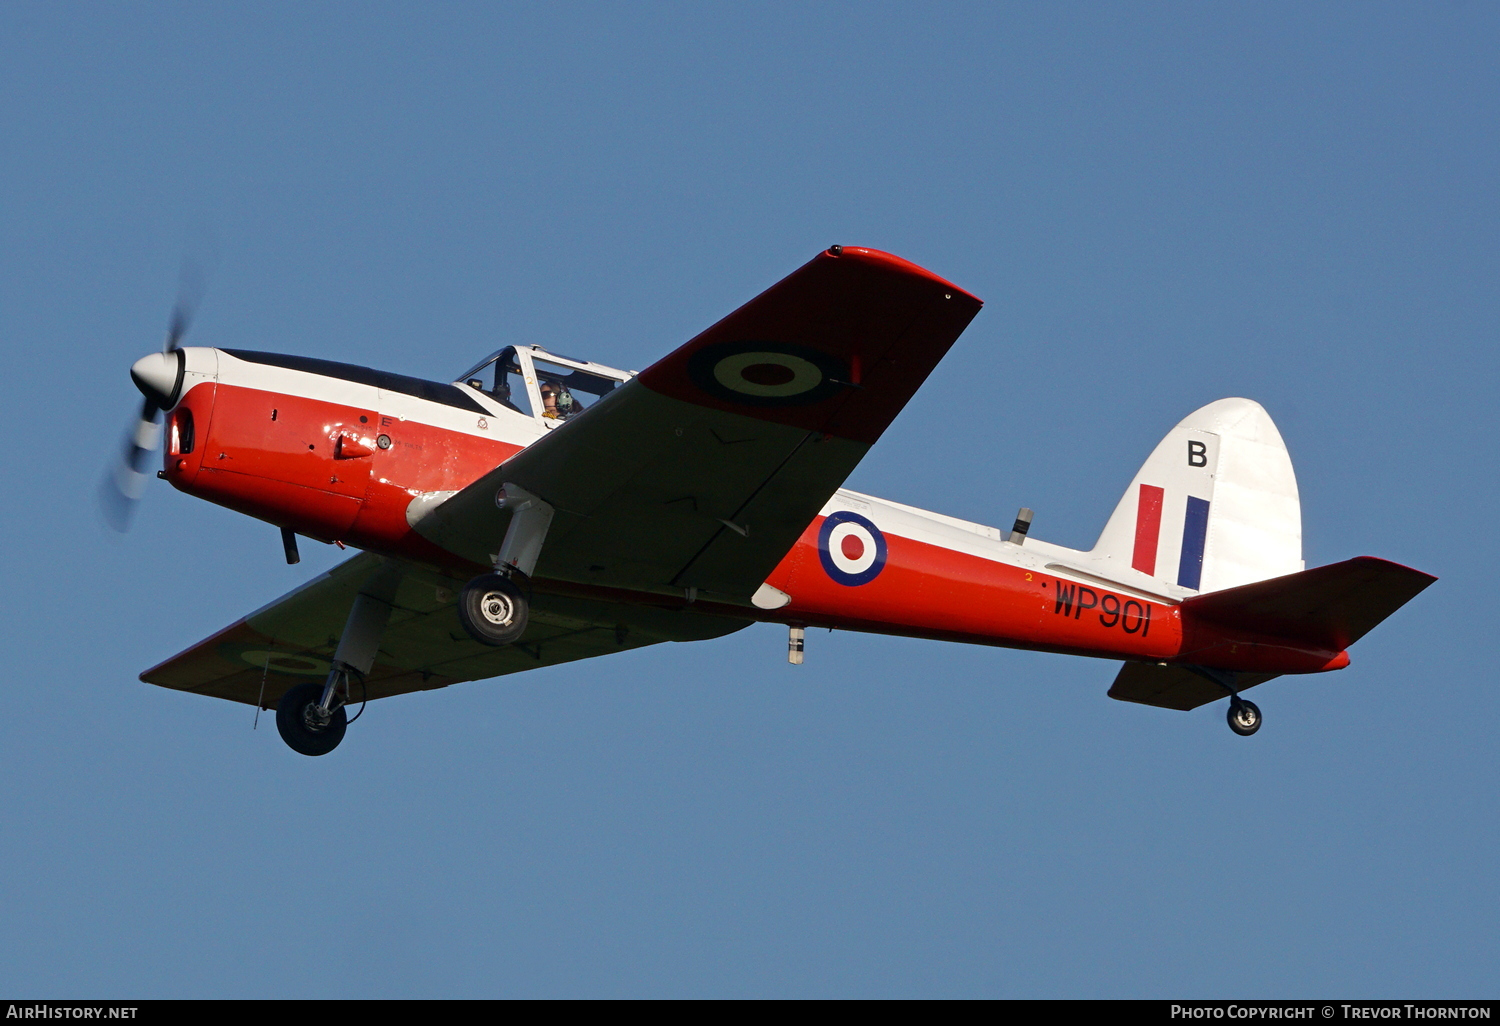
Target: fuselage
<point>354,456</point>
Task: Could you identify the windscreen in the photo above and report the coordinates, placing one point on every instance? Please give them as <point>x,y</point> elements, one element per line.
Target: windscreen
<point>501,380</point>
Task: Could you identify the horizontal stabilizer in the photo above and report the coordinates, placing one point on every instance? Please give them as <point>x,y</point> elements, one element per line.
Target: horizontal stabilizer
<point>1175,687</point>
<point>1331,606</point>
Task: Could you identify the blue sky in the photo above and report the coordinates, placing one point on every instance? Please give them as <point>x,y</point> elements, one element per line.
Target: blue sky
<point>1161,204</point>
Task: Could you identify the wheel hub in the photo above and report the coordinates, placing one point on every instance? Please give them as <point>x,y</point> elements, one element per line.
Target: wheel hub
<point>315,719</point>
<point>496,607</point>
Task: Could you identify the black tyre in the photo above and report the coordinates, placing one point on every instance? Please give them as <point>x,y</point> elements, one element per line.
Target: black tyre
<point>301,731</point>
<point>493,610</point>
<point>1244,717</point>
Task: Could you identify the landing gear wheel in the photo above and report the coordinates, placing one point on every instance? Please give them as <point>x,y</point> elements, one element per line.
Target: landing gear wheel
<point>1244,717</point>
<point>493,609</point>
<point>301,727</point>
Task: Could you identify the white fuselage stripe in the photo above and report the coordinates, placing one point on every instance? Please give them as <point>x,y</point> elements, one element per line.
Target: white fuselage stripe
<point>499,423</point>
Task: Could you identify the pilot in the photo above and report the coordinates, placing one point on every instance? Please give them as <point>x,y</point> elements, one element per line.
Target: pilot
<point>557,401</point>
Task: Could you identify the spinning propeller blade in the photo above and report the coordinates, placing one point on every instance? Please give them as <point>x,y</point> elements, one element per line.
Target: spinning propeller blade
<point>190,288</point>
<point>125,483</point>
<point>159,378</point>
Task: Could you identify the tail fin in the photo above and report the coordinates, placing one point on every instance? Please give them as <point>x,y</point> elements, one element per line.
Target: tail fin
<point>1215,506</point>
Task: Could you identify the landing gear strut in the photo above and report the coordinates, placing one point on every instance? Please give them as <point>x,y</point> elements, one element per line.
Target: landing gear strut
<point>1244,717</point>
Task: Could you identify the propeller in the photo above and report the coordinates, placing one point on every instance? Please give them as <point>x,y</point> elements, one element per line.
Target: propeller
<point>159,378</point>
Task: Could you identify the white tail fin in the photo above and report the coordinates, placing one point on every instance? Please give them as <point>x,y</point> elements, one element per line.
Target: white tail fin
<point>1214,507</point>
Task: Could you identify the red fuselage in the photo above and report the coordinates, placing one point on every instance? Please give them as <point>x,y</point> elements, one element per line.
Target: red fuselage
<point>344,462</point>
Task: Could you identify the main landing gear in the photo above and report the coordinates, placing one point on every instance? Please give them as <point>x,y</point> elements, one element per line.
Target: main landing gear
<point>494,607</point>
<point>310,717</point>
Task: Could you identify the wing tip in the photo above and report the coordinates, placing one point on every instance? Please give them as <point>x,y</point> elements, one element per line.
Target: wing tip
<point>1388,564</point>
<point>891,261</point>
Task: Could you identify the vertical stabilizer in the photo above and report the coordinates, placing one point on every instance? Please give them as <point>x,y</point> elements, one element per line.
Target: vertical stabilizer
<point>1215,506</point>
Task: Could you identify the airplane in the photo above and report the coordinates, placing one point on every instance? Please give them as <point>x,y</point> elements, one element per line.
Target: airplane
<point>542,509</point>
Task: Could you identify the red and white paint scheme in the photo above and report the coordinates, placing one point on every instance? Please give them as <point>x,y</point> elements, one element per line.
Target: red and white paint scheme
<point>542,509</point>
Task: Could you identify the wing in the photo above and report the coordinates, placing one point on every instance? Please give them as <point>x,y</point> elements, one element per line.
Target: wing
<point>423,646</point>
<point>702,472</point>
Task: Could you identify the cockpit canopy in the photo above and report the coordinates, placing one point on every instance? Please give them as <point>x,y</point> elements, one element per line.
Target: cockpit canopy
<point>536,383</point>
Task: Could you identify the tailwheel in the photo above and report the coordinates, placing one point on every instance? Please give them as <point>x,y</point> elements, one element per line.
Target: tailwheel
<point>304,726</point>
<point>1244,717</point>
<point>493,609</point>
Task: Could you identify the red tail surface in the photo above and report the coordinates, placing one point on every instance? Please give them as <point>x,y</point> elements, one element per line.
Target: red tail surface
<point>1329,607</point>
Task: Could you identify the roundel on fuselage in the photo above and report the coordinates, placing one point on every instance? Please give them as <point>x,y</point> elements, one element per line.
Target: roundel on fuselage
<point>765,373</point>
<point>851,549</point>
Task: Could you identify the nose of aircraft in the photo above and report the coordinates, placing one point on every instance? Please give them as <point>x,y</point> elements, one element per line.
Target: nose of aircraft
<point>159,377</point>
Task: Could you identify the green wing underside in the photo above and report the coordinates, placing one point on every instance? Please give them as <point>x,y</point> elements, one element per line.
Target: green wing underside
<point>657,495</point>
<point>423,645</point>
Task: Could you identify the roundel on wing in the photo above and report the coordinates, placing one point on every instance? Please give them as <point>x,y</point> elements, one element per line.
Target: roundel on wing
<point>851,549</point>
<point>295,663</point>
<point>765,373</point>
